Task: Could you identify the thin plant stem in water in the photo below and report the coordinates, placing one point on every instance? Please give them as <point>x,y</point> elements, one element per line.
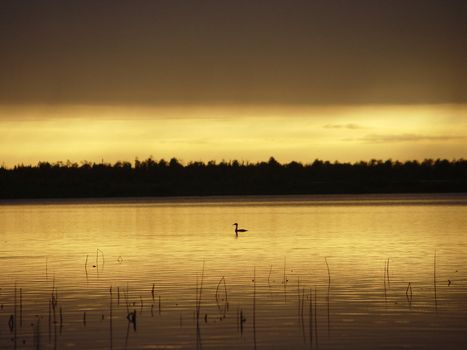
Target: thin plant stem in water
<point>387,274</point>
<point>329,295</point>
<point>384,280</point>
<point>269,276</point>
<point>222,302</point>
<point>110,319</point>
<point>50,320</point>
<point>329,272</point>
<point>21,307</point>
<point>254,307</point>
<point>316,320</point>
<point>61,320</point>
<point>408,294</point>
<point>301,314</point>
<point>101,253</point>
<point>434,281</point>
<point>310,317</point>
<point>15,318</point>
<point>299,298</point>
<point>285,280</point>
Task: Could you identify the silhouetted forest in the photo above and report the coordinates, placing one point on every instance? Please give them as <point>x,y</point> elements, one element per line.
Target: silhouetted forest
<point>172,178</point>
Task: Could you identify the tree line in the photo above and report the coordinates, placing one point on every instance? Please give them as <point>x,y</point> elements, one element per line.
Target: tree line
<point>151,177</point>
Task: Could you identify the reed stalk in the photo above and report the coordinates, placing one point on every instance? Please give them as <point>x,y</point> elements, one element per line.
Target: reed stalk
<point>387,274</point>
<point>316,320</point>
<point>254,307</point>
<point>328,296</point>
<point>299,297</point>
<point>199,294</point>
<point>384,280</point>
<point>310,317</point>
<point>434,281</point>
<point>21,307</point>
<point>408,293</point>
<point>110,318</point>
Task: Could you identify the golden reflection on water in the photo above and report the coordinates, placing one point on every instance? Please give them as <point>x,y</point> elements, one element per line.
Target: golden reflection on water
<point>362,303</point>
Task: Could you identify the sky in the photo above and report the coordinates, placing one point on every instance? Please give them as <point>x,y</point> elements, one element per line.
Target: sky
<point>201,80</point>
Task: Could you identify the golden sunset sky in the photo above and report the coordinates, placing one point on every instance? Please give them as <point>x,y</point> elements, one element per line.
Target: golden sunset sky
<point>246,80</point>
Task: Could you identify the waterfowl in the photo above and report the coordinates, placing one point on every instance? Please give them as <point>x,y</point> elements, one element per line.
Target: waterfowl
<point>237,230</point>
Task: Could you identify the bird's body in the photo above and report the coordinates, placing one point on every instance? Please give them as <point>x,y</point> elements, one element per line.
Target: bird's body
<point>237,230</point>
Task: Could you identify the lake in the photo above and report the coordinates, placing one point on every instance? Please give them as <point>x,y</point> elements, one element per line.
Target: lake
<point>329,272</point>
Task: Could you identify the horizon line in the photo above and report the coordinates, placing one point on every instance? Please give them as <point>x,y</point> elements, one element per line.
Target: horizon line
<point>271,160</point>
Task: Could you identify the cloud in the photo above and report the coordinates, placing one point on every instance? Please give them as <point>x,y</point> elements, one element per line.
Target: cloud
<point>343,126</point>
<point>396,138</point>
<point>243,52</point>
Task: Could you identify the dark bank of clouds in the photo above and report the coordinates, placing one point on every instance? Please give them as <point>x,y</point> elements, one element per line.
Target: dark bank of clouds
<point>242,51</point>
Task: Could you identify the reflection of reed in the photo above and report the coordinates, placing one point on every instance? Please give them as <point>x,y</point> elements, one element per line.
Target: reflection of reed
<point>127,335</point>
<point>299,298</point>
<point>125,295</point>
<point>50,320</point>
<point>99,253</point>
<point>110,319</point>
<point>310,318</point>
<point>240,320</point>
<point>254,307</point>
<point>199,343</point>
<point>36,340</point>
<point>301,302</point>
<point>269,280</point>
<point>313,319</point>
<point>21,307</point>
<point>384,280</point>
<point>302,322</point>
<point>269,276</point>
<point>53,302</point>
<point>387,274</point>
<point>199,292</point>
<point>285,280</point>
<point>222,302</point>
<point>61,320</point>
<point>329,295</point>
<point>434,281</point>
<point>14,320</point>
<point>408,294</point>
<point>316,321</point>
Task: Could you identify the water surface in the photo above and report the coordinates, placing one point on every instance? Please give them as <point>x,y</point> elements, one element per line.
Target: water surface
<point>328,272</point>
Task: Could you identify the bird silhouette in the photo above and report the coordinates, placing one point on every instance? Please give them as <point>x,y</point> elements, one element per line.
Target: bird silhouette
<point>237,230</point>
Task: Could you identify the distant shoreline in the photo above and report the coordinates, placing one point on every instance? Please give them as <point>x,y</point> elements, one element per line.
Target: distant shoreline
<point>162,179</point>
